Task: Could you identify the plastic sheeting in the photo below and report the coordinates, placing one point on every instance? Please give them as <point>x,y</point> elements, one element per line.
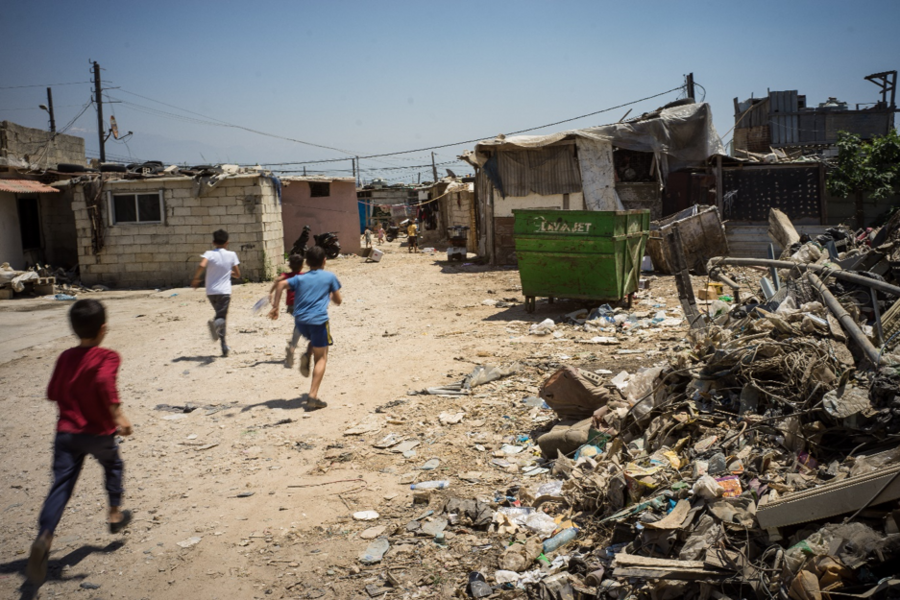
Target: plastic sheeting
<point>595,157</point>
<point>680,136</point>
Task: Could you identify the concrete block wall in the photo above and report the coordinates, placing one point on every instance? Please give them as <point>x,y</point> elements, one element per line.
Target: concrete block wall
<point>139,255</point>
<point>36,146</point>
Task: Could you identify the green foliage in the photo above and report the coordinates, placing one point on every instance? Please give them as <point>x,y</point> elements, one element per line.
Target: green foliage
<point>872,167</point>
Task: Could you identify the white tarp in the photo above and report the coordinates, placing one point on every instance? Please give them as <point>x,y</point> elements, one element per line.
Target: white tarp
<point>595,158</point>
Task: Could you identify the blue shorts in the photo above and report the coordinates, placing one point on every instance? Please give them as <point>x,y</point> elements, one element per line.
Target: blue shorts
<point>318,335</point>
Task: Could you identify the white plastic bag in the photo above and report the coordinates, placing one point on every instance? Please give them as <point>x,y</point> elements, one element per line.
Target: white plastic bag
<point>543,328</point>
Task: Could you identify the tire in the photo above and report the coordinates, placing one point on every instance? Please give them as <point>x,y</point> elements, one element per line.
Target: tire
<point>390,238</point>
<point>70,168</point>
<point>113,168</point>
<point>333,251</point>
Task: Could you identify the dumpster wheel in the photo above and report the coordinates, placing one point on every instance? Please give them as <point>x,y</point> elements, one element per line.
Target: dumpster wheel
<point>529,304</point>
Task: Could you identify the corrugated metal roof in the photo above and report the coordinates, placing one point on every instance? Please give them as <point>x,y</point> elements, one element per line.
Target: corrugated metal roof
<point>25,186</point>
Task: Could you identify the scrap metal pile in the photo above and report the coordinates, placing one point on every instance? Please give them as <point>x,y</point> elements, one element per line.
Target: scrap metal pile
<point>762,460</point>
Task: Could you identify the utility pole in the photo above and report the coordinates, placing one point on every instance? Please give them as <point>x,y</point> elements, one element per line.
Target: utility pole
<point>353,162</point>
<point>358,174</point>
<point>689,83</point>
<point>50,110</point>
<point>433,168</point>
<point>99,100</point>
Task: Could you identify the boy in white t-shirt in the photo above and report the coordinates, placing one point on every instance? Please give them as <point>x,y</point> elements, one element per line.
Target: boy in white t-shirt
<point>221,265</point>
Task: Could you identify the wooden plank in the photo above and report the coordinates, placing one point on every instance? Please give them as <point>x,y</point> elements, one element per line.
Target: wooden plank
<point>634,559</point>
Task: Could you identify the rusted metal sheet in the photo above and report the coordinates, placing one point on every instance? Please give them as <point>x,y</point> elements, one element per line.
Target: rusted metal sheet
<point>702,236</point>
<point>25,186</point>
<point>783,118</point>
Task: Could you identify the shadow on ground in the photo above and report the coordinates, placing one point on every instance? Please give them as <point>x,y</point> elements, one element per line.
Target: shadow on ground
<point>55,566</point>
<point>301,402</point>
<point>203,360</point>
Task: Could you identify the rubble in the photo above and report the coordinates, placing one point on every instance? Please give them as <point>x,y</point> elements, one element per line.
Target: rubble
<point>758,458</point>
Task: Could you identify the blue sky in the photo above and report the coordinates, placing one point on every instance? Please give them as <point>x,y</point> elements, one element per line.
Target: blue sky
<point>373,77</point>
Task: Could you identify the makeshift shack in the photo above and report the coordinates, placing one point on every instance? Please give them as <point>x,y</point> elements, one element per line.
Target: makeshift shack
<point>454,205</point>
<point>585,169</point>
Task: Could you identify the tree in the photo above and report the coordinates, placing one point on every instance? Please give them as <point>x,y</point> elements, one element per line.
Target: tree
<point>862,167</point>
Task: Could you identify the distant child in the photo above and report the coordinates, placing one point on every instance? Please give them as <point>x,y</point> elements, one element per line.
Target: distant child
<point>312,293</point>
<point>84,387</point>
<point>368,236</point>
<point>413,232</point>
<point>295,261</point>
<point>221,265</point>
<point>380,234</point>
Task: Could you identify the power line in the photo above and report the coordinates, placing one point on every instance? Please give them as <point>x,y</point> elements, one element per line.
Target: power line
<point>16,87</point>
<point>38,108</point>
<point>256,131</point>
<point>596,112</point>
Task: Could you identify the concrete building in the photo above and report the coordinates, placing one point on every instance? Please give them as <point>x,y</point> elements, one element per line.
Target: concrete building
<point>37,224</point>
<point>37,149</point>
<point>323,203</point>
<point>151,232</point>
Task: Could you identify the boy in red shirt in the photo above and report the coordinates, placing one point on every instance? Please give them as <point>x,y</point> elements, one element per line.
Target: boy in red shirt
<point>84,387</point>
<point>295,262</point>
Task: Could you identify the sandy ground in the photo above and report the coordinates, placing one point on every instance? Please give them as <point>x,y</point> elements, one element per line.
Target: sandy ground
<point>223,472</point>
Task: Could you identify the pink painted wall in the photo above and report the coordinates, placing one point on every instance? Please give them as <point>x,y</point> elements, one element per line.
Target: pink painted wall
<point>338,212</point>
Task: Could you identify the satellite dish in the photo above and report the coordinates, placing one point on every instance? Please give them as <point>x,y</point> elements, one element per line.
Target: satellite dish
<point>113,127</point>
<point>451,173</point>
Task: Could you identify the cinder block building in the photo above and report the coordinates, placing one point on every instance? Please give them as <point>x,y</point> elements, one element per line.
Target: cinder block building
<point>36,221</point>
<point>150,232</point>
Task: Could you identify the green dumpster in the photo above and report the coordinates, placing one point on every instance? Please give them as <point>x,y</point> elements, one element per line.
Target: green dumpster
<point>580,254</point>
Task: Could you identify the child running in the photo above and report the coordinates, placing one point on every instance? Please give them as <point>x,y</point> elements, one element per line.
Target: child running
<point>312,293</point>
<point>295,262</point>
<point>221,265</point>
<point>84,387</point>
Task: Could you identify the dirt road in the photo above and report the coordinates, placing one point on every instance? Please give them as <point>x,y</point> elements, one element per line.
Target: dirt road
<point>216,516</point>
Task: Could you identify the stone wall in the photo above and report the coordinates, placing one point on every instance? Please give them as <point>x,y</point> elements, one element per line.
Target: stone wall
<point>36,146</point>
<point>139,255</point>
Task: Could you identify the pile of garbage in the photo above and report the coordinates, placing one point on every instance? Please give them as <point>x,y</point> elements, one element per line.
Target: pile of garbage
<point>43,280</point>
<point>761,459</point>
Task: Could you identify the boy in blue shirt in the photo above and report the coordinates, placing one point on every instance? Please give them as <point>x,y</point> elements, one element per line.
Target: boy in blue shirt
<point>312,293</point>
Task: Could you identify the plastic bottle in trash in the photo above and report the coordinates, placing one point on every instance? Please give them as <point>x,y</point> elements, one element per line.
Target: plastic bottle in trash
<point>430,485</point>
<point>560,539</point>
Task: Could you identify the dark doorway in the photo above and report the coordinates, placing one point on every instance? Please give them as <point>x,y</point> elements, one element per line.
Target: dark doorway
<point>29,223</point>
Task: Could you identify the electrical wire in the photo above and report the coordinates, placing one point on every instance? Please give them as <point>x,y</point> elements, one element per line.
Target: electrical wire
<point>472,141</point>
<point>241,127</point>
<point>212,121</point>
<point>16,87</point>
<point>38,108</point>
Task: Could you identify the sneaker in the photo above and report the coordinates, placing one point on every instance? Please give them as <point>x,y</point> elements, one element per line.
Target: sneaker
<point>212,330</point>
<point>316,403</point>
<point>305,361</point>
<point>289,356</point>
<point>36,570</point>
<point>225,350</point>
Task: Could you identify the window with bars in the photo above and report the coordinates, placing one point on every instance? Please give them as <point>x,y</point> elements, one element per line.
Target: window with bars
<point>319,189</point>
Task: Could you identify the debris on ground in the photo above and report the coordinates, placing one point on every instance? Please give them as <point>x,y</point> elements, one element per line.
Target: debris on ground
<point>758,457</point>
